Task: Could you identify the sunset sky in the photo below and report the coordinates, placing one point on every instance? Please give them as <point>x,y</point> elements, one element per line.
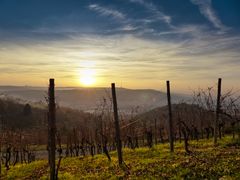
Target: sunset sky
<point>135,43</point>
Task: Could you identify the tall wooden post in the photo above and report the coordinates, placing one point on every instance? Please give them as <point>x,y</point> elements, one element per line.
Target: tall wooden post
<point>52,128</point>
<point>1,133</point>
<point>117,128</point>
<point>217,111</point>
<point>155,131</point>
<point>170,117</point>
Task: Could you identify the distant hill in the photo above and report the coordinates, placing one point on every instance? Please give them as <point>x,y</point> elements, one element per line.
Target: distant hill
<point>87,99</point>
<point>15,115</point>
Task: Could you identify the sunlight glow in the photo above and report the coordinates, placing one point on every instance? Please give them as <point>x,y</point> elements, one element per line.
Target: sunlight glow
<point>88,73</point>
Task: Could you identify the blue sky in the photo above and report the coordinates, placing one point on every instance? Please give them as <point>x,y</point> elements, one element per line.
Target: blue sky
<point>136,43</point>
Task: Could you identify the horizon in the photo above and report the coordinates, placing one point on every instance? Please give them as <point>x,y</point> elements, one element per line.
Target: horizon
<point>137,44</point>
<point>188,92</point>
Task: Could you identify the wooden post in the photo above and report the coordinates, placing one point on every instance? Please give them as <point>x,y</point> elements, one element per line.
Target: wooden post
<point>117,128</point>
<point>1,133</point>
<point>155,131</point>
<point>217,110</point>
<point>52,128</point>
<point>1,158</point>
<point>170,117</point>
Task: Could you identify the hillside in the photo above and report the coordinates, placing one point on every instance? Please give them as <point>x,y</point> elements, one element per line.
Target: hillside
<point>88,99</point>
<point>205,162</point>
<point>17,115</point>
<point>160,112</point>
<point>192,115</point>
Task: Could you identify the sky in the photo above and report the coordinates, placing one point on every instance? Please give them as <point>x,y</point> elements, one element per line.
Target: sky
<point>134,43</point>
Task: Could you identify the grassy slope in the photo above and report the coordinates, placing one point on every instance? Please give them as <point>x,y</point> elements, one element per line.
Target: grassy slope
<point>205,161</point>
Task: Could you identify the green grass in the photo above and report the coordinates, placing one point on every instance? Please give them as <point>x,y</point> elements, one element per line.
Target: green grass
<point>205,162</point>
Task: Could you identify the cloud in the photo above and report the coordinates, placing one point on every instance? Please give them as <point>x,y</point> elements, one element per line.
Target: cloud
<point>159,15</point>
<point>106,11</point>
<point>133,50</point>
<point>125,24</point>
<point>205,7</point>
<point>126,58</point>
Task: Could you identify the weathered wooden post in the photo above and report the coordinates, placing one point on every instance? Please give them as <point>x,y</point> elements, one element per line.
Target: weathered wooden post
<point>155,131</point>
<point>170,117</point>
<point>217,110</point>
<point>117,128</point>
<point>1,133</point>
<point>52,128</point>
<point>0,161</point>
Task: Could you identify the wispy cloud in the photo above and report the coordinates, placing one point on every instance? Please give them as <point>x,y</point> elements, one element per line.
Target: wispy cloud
<point>205,7</point>
<point>191,60</point>
<point>126,24</point>
<point>159,15</point>
<point>106,11</point>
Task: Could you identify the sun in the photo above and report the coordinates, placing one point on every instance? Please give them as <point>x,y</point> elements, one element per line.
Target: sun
<point>87,80</point>
<point>87,77</point>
